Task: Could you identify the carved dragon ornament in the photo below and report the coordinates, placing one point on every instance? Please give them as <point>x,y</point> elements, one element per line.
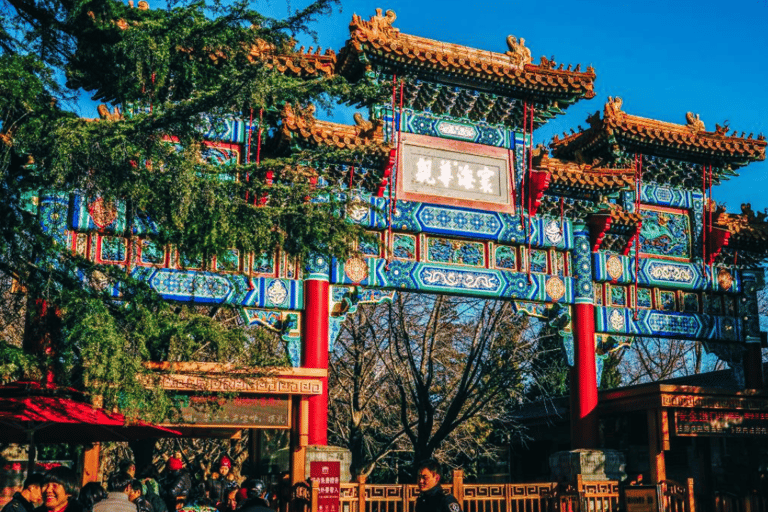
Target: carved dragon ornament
<point>694,122</point>
<point>518,53</point>
<point>378,27</point>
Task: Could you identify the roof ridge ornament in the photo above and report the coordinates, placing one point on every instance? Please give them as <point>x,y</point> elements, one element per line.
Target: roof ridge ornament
<point>594,119</point>
<point>546,63</point>
<point>613,107</point>
<point>694,122</point>
<point>723,130</point>
<point>753,217</point>
<point>143,5</point>
<point>380,25</point>
<point>366,129</point>
<point>105,114</point>
<point>301,117</point>
<point>520,55</point>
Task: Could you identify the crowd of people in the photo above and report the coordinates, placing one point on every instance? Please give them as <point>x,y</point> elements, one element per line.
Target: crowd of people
<point>149,491</point>
<point>57,490</point>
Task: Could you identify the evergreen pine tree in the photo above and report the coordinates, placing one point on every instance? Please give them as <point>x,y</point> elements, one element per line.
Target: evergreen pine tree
<point>168,70</point>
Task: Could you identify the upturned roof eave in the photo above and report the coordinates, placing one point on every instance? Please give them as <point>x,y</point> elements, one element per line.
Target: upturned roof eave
<point>689,143</point>
<point>377,39</point>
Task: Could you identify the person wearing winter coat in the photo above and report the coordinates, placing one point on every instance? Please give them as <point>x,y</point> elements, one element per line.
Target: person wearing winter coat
<point>178,483</point>
<point>221,482</point>
<point>29,497</point>
<point>117,499</point>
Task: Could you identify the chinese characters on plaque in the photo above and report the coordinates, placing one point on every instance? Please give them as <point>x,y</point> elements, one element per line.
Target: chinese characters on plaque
<point>264,411</point>
<point>464,173</point>
<point>437,172</point>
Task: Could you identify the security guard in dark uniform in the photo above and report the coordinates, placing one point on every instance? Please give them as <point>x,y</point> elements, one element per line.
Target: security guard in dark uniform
<point>432,497</point>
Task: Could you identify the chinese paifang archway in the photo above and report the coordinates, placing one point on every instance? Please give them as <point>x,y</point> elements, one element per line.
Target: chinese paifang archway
<point>616,228</point>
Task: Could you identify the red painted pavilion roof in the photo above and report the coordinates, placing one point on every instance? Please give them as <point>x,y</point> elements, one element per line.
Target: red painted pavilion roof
<point>512,71</point>
<point>690,142</point>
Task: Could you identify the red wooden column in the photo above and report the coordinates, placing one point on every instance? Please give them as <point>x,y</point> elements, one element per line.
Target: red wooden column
<point>584,424</point>
<point>584,421</point>
<point>315,344</point>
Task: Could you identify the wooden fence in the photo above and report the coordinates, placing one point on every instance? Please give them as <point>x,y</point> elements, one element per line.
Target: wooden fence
<point>676,497</point>
<point>584,496</point>
<point>581,496</point>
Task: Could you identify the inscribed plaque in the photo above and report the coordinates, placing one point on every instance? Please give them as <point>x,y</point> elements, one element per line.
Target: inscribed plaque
<point>252,412</point>
<point>437,171</point>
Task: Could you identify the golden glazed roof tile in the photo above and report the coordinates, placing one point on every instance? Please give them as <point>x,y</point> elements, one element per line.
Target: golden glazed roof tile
<point>691,139</point>
<point>620,216</point>
<point>513,69</point>
<point>299,63</point>
<point>582,176</point>
<point>748,229</point>
<point>366,135</point>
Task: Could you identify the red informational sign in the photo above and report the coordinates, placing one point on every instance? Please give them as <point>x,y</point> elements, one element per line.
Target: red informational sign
<point>327,477</point>
<point>690,422</point>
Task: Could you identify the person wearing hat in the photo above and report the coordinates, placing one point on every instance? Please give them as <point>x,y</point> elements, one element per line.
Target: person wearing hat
<point>257,497</point>
<point>178,483</point>
<point>221,482</point>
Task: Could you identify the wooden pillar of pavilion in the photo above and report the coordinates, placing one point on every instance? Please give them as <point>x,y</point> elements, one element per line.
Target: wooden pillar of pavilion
<point>658,442</point>
<point>90,464</point>
<point>300,429</point>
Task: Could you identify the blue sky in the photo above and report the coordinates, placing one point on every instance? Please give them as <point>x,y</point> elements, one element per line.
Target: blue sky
<point>664,58</point>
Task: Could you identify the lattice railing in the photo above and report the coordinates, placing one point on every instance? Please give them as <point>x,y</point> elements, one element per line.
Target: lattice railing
<point>508,497</point>
<point>598,496</point>
<point>535,497</point>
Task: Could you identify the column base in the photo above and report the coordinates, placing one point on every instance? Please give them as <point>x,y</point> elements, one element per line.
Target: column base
<point>590,464</point>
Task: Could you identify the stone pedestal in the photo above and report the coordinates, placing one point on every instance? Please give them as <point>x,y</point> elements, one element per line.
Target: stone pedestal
<point>590,464</point>
<point>330,453</point>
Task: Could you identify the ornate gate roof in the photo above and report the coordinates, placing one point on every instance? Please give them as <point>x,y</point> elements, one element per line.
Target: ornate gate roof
<point>469,73</point>
<point>620,134</point>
